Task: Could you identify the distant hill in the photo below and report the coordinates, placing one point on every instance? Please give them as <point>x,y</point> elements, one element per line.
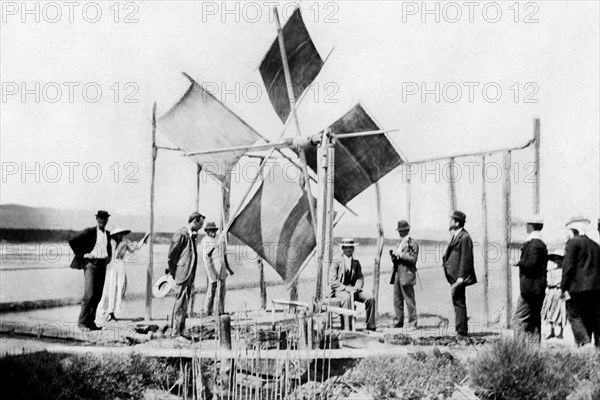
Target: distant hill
<point>15,216</point>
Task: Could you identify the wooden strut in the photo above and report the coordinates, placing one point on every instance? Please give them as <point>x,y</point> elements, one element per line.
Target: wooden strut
<point>292,101</point>
<point>379,251</point>
<point>149,269</point>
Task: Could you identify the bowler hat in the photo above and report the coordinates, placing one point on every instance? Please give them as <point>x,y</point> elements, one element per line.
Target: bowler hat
<point>403,226</point>
<point>194,216</point>
<point>211,226</point>
<point>459,216</point>
<point>348,242</point>
<point>102,214</point>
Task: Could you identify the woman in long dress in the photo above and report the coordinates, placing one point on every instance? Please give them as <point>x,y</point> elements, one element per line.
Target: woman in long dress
<point>115,284</point>
<point>553,309</point>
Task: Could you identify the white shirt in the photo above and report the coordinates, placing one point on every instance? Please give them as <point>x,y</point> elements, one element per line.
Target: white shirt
<point>100,250</point>
<point>213,263</point>
<point>347,262</point>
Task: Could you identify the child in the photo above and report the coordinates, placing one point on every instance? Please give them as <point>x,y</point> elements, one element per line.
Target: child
<point>553,309</point>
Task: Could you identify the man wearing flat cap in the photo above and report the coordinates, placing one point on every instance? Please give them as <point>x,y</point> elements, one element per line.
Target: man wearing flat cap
<point>580,283</point>
<point>182,262</point>
<point>346,279</point>
<point>214,259</point>
<point>459,269</point>
<point>533,263</point>
<point>93,252</point>
<point>404,277</point>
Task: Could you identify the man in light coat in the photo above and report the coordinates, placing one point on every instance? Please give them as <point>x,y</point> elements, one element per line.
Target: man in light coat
<point>404,276</point>
<point>346,279</point>
<point>459,269</point>
<point>214,259</point>
<point>182,262</point>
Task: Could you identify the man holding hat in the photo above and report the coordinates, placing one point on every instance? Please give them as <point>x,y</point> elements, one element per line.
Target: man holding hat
<point>404,276</point>
<point>459,269</point>
<point>214,259</point>
<point>532,278</point>
<point>346,279</point>
<point>580,283</point>
<point>182,262</point>
<point>92,253</point>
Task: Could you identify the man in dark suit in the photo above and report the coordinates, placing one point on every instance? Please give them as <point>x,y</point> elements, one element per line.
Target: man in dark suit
<point>581,282</point>
<point>532,278</point>
<point>92,254</point>
<point>346,279</point>
<point>459,269</point>
<point>182,262</point>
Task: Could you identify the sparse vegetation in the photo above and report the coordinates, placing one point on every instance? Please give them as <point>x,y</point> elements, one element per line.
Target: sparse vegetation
<point>514,370</point>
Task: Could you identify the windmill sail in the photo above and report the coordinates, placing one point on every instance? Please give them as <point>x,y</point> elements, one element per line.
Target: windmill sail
<point>276,223</point>
<point>303,59</point>
<point>359,161</point>
<point>201,122</point>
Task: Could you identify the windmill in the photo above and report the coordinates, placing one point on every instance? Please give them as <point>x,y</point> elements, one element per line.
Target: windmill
<point>354,151</point>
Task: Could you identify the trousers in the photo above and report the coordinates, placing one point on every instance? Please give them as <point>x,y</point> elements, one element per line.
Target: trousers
<point>94,275</point>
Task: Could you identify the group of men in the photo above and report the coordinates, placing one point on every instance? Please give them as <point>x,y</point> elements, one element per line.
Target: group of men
<point>580,280</point>
<point>93,252</point>
<point>346,278</point>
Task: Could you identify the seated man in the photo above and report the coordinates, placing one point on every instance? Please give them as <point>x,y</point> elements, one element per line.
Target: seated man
<point>346,279</point>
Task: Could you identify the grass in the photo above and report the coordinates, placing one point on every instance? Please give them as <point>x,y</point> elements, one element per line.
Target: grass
<point>52,376</point>
<point>514,370</point>
<point>425,377</point>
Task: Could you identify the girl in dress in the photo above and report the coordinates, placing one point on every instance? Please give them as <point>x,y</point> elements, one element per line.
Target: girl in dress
<point>115,284</point>
<point>553,309</point>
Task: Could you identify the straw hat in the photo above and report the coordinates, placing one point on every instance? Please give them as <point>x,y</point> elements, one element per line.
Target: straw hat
<point>163,286</point>
<point>348,242</point>
<point>121,230</point>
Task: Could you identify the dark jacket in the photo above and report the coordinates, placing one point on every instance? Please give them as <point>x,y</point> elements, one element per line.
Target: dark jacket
<point>84,243</point>
<point>183,257</point>
<point>532,268</point>
<point>339,278</point>
<point>581,266</point>
<point>458,259</point>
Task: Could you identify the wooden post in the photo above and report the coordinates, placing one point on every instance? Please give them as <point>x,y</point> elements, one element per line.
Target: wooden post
<point>452,185</point>
<point>292,101</point>
<point>329,212</point>
<point>536,186</point>
<point>221,288</point>
<point>321,214</point>
<point>225,331</point>
<point>149,269</point>
<point>379,251</point>
<point>192,302</point>
<point>408,197</point>
<point>507,233</point>
<point>486,267</point>
<point>263,285</point>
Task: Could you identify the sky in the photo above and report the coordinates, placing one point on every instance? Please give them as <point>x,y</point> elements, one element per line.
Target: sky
<point>79,84</point>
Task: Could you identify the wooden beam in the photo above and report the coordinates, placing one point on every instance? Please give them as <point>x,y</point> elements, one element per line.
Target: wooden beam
<point>321,215</point>
<point>379,248</point>
<point>536,150</point>
<point>292,101</point>
<point>408,198</point>
<point>149,268</point>
<point>486,266</point>
<point>452,185</point>
<point>506,186</point>
<point>262,284</point>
